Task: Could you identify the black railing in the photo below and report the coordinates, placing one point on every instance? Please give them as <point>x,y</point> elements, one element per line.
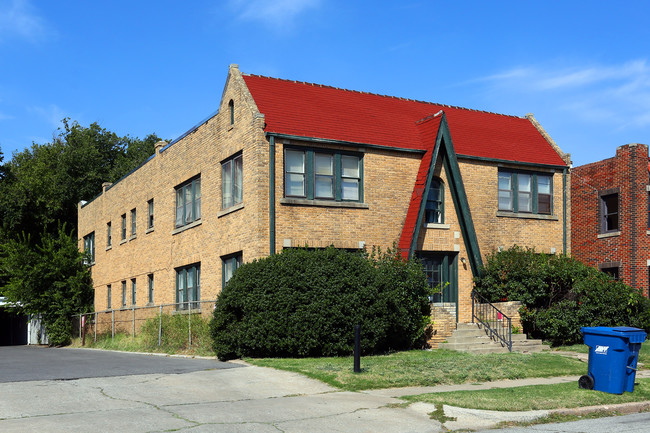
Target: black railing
<point>497,325</point>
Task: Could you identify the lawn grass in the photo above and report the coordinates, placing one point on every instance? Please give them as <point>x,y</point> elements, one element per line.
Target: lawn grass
<point>426,368</point>
<point>537,397</point>
<point>644,353</point>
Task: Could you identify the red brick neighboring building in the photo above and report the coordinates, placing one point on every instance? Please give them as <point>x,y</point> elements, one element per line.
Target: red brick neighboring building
<point>610,215</point>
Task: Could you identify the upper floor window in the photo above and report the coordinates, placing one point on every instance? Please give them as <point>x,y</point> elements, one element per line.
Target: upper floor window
<point>124,293</point>
<point>609,213</point>
<point>150,214</point>
<point>231,111</point>
<point>188,202</point>
<point>133,224</point>
<point>231,181</point>
<point>123,226</point>
<point>109,237</point>
<point>434,212</point>
<point>323,175</point>
<point>133,291</point>
<point>188,286</point>
<point>150,285</point>
<point>89,248</point>
<point>525,192</point>
<point>108,297</point>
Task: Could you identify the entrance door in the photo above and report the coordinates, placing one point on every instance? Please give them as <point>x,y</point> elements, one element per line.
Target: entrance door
<point>442,269</point>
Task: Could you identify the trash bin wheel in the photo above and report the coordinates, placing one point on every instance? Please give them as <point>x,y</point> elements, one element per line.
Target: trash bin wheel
<point>586,382</point>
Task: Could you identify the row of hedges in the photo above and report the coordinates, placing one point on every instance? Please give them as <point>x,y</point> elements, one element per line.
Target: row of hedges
<point>303,302</point>
<point>560,294</point>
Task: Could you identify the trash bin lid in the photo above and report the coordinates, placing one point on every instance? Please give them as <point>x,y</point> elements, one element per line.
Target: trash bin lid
<point>635,335</point>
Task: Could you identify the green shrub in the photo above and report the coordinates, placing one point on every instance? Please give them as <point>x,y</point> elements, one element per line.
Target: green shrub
<point>306,302</point>
<point>560,295</point>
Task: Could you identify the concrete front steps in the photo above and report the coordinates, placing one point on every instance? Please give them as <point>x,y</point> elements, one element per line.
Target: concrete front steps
<point>470,337</point>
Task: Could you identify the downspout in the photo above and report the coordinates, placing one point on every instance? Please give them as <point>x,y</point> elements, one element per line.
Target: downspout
<point>271,194</point>
<point>564,211</point>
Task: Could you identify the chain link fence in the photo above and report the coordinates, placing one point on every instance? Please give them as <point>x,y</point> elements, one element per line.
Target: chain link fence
<point>130,320</point>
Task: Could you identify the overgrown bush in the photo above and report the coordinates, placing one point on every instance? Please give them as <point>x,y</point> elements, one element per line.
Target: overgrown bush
<point>175,333</point>
<point>560,294</point>
<point>306,302</point>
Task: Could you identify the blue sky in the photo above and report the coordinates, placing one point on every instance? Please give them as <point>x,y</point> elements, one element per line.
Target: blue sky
<point>581,67</point>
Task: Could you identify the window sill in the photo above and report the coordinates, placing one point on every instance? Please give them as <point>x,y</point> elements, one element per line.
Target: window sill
<point>132,237</point>
<point>110,247</point>
<point>323,203</point>
<point>534,216</point>
<point>186,227</point>
<point>192,311</point>
<point>608,235</point>
<point>231,209</point>
<point>149,230</point>
<point>123,241</point>
<point>438,226</point>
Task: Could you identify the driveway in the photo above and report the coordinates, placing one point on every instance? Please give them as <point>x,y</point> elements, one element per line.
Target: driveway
<point>63,390</point>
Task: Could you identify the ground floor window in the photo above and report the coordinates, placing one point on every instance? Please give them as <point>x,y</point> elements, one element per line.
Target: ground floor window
<point>229,264</point>
<point>188,286</point>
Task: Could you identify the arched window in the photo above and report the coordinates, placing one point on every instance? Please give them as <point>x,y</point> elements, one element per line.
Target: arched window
<point>434,210</point>
<point>231,109</point>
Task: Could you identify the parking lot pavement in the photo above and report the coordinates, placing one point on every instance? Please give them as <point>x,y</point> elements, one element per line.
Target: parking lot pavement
<point>24,363</point>
<point>203,398</point>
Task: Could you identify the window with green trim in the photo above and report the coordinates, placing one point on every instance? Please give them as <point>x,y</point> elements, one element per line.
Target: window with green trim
<point>434,208</point>
<point>89,248</point>
<point>229,264</point>
<point>188,286</point>
<point>124,293</point>
<point>525,192</point>
<point>133,291</point>
<point>323,175</point>
<point>231,181</point>
<point>188,202</point>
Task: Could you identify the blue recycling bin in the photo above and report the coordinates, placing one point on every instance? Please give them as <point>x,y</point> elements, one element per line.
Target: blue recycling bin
<point>613,356</point>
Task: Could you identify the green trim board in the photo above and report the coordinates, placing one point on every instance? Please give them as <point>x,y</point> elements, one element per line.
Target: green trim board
<point>343,143</point>
<point>444,148</point>
<point>518,163</point>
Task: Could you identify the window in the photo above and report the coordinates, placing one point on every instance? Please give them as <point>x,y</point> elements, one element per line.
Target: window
<point>322,175</point>
<point>150,214</point>
<point>133,297</point>
<point>188,202</point>
<point>108,297</point>
<point>133,218</point>
<point>89,248</point>
<point>124,293</point>
<point>109,240</point>
<point>525,192</point>
<point>188,287</point>
<point>150,284</point>
<point>434,205</point>
<point>124,227</point>
<point>231,181</point>
<point>613,272</point>
<point>229,264</point>
<point>609,213</point>
<point>231,110</point>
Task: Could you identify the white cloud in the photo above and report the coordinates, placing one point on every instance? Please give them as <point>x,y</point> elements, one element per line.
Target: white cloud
<point>592,93</point>
<point>272,12</point>
<point>18,19</point>
<point>52,114</point>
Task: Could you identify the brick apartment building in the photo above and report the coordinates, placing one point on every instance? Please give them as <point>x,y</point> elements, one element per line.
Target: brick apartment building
<point>610,219</point>
<point>289,164</point>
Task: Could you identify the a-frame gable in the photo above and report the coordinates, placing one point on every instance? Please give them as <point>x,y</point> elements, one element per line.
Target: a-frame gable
<point>436,128</point>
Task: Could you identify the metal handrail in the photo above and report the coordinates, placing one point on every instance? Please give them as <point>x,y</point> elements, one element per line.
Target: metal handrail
<point>497,324</point>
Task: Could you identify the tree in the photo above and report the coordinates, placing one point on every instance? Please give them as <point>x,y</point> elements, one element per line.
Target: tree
<point>47,278</point>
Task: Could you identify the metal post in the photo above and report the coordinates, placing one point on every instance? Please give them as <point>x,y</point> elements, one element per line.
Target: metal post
<point>160,327</point>
<point>357,348</point>
<point>95,327</point>
<point>112,324</point>
<point>133,309</point>
<point>80,326</point>
<point>189,325</point>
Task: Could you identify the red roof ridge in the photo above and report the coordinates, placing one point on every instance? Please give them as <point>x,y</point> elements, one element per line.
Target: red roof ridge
<point>325,86</point>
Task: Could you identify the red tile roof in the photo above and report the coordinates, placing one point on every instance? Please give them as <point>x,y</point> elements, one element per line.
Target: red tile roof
<point>311,110</point>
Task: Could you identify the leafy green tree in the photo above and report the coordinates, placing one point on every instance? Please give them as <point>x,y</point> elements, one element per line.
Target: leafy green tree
<point>47,278</point>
